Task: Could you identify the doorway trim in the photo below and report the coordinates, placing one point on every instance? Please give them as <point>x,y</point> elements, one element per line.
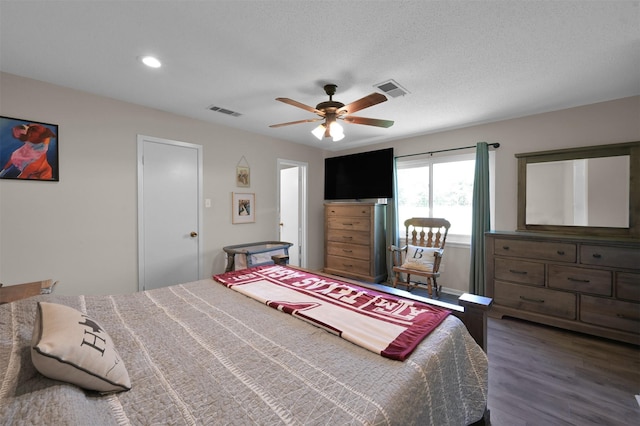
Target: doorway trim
<point>141,139</point>
<point>302,203</point>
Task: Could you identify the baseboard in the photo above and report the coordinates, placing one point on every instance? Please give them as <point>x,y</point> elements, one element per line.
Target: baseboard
<point>452,291</point>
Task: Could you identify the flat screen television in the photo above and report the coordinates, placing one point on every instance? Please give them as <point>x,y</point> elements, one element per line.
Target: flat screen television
<point>359,176</point>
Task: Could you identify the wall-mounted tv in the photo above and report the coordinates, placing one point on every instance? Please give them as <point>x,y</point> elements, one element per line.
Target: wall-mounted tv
<point>359,176</point>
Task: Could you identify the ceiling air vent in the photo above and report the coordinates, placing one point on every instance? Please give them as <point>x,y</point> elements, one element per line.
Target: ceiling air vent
<point>391,88</point>
<point>224,111</point>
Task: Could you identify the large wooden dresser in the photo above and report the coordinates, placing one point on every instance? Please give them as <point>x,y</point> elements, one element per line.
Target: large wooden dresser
<point>585,284</point>
<point>355,240</point>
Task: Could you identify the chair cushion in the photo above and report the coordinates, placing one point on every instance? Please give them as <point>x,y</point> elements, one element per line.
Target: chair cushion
<point>71,347</point>
<point>420,258</point>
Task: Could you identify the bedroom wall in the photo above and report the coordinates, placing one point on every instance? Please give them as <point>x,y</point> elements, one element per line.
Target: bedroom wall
<point>597,124</point>
<point>83,229</point>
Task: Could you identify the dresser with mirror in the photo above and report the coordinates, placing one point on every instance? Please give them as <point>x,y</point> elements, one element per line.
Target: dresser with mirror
<point>574,260</point>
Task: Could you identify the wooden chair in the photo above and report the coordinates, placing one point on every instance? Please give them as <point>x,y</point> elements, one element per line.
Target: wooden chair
<point>422,254</point>
<point>12,293</point>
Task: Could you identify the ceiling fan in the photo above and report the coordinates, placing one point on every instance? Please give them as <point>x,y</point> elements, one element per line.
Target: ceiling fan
<point>330,111</point>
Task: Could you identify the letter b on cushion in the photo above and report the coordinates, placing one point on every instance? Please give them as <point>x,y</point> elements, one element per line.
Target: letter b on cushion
<point>71,347</point>
<point>420,258</point>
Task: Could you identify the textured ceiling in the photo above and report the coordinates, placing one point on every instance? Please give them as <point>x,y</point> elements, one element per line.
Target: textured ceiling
<point>463,62</point>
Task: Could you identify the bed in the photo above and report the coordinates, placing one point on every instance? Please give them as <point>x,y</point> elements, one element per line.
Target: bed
<point>202,353</point>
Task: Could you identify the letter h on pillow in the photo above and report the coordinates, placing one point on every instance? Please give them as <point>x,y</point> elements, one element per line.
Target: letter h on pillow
<point>71,347</point>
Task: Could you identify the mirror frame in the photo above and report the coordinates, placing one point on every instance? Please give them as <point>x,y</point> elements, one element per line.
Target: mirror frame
<point>629,148</point>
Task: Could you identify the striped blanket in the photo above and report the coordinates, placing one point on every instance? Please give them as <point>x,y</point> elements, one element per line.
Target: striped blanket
<point>379,322</point>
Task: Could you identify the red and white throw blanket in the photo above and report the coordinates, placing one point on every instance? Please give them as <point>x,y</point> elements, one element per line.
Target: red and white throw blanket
<point>379,322</point>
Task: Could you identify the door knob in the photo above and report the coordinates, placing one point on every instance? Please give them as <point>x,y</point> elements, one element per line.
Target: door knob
<point>194,234</point>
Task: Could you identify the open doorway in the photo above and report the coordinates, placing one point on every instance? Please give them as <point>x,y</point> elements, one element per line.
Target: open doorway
<point>292,209</point>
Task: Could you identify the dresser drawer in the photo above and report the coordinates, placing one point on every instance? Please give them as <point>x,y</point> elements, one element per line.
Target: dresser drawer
<point>348,250</point>
<point>353,237</point>
<point>614,257</point>
<point>350,211</point>
<point>519,271</point>
<point>562,252</point>
<point>533,299</point>
<point>349,223</point>
<point>628,286</point>
<point>584,280</point>
<point>610,313</point>
<point>346,264</point>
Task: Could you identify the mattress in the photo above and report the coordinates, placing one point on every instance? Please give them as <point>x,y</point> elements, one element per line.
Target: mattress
<point>200,353</point>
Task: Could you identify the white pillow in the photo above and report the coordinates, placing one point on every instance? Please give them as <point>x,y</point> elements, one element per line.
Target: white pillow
<point>71,347</point>
<point>420,258</point>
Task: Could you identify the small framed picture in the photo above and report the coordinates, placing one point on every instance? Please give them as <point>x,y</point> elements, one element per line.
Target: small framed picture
<point>243,176</point>
<point>243,207</point>
<point>28,150</point>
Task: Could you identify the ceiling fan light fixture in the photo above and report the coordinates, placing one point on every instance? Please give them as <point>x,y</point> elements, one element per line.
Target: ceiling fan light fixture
<point>330,110</point>
<point>332,130</point>
<point>336,131</point>
<point>318,132</point>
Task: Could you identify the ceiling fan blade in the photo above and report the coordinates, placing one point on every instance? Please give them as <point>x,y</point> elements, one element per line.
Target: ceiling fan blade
<point>366,102</point>
<point>368,121</point>
<point>300,105</point>
<point>310,120</point>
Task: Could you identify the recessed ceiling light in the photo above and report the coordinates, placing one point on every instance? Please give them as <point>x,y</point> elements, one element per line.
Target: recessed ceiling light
<point>150,61</point>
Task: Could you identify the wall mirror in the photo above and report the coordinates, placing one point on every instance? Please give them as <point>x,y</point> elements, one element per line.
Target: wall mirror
<point>589,191</point>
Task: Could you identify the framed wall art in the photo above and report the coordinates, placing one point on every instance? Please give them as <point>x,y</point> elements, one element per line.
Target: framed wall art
<point>243,207</point>
<point>28,150</point>
<point>243,177</point>
<point>243,173</point>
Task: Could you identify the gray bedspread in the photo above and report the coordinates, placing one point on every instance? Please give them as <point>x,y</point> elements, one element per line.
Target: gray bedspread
<point>200,353</point>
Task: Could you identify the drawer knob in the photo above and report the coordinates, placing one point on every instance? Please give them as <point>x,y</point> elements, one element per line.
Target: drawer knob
<point>505,247</point>
<point>513,271</point>
<point>528,299</point>
<point>347,237</point>
<point>561,252</point>
<point>597,255</point>
<point>347,251</point>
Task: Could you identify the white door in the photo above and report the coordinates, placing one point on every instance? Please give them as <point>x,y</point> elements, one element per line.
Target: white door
<point>169,219</point>
<point>289,221</point>
<point>292,208</point>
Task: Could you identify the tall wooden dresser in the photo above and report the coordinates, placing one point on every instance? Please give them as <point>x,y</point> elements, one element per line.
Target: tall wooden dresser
<point>585,284</point>
<point>355,240</point>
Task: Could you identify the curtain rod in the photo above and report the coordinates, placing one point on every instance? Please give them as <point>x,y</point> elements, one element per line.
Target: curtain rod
<point>495,145</point>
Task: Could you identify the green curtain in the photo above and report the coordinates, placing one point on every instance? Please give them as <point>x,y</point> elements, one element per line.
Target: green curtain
<point>481,219</point>
<point>392,209</point>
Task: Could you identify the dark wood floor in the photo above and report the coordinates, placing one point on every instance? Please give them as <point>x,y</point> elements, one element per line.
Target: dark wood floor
<point>542,375</point>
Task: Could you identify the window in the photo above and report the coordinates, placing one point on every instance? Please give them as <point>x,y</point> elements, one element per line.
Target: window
<point>437,187</point>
